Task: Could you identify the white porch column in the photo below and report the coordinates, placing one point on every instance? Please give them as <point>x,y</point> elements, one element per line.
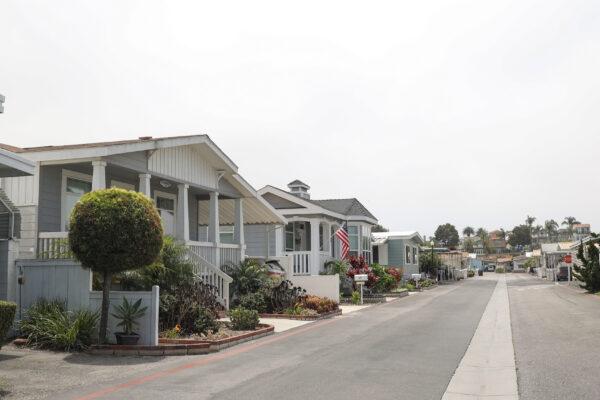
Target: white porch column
<point>238,229</point>
<point>315,253</point>
<point>183,213</point>
<point>214,235</point>
<point>99,175</point>
<point>145,184</point>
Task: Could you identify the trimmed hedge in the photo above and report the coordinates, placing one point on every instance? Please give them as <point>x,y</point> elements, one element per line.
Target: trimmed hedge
<point>7,316</point>
<point>243,319</point>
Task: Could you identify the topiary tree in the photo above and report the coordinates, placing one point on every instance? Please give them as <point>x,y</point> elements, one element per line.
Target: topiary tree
<point>114,230</point>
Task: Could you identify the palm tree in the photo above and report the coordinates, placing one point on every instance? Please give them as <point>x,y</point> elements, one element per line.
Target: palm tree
<point>551,227</point>
<point>482,233</point>
<point>570,221</point>
<point>468,231</point>
<point>537,230</point>
<point>529,221</point>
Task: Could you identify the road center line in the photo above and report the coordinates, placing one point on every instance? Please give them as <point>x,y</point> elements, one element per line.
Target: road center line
<point>488,366</point>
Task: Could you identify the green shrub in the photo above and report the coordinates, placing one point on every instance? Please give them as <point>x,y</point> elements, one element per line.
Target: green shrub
<point>356,297</point>
<point>280,295</point>
<point>243,319</point>
<point>7,316</point>
<point>321,305</point>
<point>410,286</point>
<point>48,324</point>
<point>500,270</point>
<point>470,273</point>
<point>248,277</point>
<point>206,322</point>
<point>253,301</point>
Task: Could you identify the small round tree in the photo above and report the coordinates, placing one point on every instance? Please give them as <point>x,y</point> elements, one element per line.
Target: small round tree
<point>114,230</point>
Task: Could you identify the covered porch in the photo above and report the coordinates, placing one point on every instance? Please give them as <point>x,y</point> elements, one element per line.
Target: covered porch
<point>210,222</point>
<point>311,243</point>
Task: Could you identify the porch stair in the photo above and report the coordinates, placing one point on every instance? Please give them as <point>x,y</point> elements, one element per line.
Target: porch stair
<point>211,275</point>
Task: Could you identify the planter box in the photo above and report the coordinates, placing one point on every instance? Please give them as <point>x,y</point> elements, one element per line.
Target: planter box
<point>366,300</point>
<point>181,347</point>
<point>304,317</point>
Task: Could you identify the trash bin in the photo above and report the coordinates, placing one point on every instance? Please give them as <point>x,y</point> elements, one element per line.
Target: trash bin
<point>480,272</point>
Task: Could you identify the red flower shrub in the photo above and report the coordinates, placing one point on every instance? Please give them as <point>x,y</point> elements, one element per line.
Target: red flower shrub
<point>359,266</point>
<point>321,305</point>
<point>396,273</point>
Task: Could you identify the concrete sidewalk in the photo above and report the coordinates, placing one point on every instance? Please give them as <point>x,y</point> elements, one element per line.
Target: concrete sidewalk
<point>487,370</point>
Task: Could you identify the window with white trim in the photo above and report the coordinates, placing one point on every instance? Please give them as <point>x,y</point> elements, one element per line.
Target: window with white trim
<point>354,238</point>
<point>75,185</point>
<point>407,254</point>
<point>226,234</point>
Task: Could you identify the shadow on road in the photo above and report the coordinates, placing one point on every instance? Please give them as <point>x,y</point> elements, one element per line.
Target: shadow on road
<point>89,359</point>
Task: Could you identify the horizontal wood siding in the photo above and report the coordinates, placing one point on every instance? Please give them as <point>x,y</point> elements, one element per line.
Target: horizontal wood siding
<point>183,163</point>
<point>255,237</point>
<point>396,253</point>
<point>20,190</point>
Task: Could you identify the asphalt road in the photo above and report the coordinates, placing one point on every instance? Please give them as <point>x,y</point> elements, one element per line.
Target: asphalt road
<point>407,349</point>
<point>556,336</point>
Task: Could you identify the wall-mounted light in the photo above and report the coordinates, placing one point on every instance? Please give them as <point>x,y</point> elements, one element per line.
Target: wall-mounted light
<point>165,184</point>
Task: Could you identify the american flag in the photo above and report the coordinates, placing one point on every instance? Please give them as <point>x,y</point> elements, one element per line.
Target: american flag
<point>342,234</point>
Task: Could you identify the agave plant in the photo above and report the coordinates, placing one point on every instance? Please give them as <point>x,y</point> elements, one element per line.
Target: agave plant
<point>128,315</point>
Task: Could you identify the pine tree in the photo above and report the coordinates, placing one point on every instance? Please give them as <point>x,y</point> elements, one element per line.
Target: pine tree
<point>589,270</point>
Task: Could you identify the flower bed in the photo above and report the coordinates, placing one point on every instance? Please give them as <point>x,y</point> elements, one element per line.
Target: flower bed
<point>399,293</point>
<point>316,317</point>
<point>374,299</point>
<point>187,346</point>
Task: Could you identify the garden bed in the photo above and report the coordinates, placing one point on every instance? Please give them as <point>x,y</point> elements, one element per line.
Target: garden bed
<point>184,346</point>
<point>429,287</point>
<point>330,314</point>
<point>403,293</point>
<point>366,300</point>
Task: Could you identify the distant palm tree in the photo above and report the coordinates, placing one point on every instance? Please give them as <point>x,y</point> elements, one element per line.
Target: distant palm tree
<point>468,231</point>
<point>551,226</point>
<point>537,233</point>
<point>570,221</point>
<point>482,233</point>
<point>529,221</point>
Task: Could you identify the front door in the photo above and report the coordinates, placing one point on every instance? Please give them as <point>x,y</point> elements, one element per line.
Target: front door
<point>166,205</point>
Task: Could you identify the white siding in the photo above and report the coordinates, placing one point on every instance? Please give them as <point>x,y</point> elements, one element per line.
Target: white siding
<point>183,163</point>
<point>20,190</point>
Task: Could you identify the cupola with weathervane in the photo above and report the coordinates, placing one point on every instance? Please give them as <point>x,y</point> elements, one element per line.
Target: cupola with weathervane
<point>300,189</point>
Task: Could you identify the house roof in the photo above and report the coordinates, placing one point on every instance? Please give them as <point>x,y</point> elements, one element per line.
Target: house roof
<point>343,209</point>
<point>12,164</point>
<point>382,237</point>
<point>298,182</point>
<point>349,207</point>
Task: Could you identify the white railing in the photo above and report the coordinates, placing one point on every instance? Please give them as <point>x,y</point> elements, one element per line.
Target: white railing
<point>301,262</point>
<point>211,275</point>
<point>53,246</point>
<point>206,250</point>
<point>229,254</point>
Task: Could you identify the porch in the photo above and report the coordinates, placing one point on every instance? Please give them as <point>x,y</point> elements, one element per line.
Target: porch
<point>208,221</point>
<point>311,243</point>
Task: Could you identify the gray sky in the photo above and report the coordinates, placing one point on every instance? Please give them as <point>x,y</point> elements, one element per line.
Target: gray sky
<point>470,112</point>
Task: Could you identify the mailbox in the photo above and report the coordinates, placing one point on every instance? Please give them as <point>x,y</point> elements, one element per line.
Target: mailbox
<point>361,278</point>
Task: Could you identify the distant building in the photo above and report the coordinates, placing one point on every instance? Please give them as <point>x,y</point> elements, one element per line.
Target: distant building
<point>581,231</point>
<point>398,249</point>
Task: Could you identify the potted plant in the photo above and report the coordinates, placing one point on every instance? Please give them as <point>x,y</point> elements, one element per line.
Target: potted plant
<point>128,315</point>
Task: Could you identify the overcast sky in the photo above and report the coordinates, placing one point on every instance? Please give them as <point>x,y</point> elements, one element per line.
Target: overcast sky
<point>470,112</point>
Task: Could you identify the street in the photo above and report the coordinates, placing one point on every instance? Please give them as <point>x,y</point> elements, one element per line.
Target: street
<point>453,342</point>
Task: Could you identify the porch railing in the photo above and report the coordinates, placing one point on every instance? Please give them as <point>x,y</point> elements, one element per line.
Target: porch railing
<point>301,262</point>
<point>211,275</point>
<point>221,255</point>
<point>54,246</point>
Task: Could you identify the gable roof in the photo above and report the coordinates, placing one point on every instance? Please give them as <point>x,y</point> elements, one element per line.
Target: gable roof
<point>382,237</point>
<point>350,207</point>
<point>298,182</point>
<point>12,164</point>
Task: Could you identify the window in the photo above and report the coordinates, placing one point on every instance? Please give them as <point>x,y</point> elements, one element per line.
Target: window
<point>289,237</point>
<point>353,236</point>
<point>414,255</point>
<point>408,254</point>
<point>75,185</point>
<point>166,205</point>
<point>226,233</point>
<point>321,237</point>
<point>366,243</point>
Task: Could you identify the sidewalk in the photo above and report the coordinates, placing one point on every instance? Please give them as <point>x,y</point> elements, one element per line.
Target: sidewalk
<point>487,370</point>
